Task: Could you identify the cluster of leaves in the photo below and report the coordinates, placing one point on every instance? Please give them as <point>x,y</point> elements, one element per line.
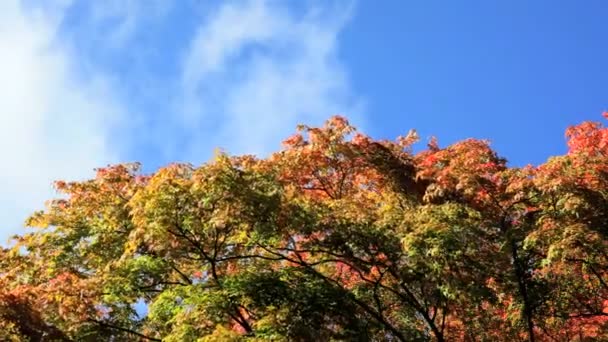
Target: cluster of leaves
<point>337,237</point>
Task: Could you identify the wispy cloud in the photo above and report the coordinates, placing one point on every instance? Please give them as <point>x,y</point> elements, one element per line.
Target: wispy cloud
<point>255,69</point>
<point>89,83</point>
<point>52,126</point>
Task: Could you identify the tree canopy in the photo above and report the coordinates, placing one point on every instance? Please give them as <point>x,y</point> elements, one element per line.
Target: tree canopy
<point>336,237</point>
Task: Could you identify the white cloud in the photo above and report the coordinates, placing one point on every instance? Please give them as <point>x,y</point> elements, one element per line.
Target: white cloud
<point>249,73</point>
<point>52,126</point>
<point>255,69</point>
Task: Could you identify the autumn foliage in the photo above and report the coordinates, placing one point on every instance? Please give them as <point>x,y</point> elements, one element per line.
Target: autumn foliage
<point>336,237</point>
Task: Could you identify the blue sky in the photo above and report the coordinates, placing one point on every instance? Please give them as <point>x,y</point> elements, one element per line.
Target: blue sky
<point>88,83</point>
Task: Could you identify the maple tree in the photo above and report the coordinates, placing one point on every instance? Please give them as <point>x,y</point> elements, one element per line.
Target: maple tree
<point>335,237</point>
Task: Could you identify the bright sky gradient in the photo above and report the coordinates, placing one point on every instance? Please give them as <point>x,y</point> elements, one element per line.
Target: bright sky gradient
<point>87,83</point>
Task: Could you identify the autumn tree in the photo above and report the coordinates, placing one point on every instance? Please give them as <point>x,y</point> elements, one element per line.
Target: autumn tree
<point>336,237</point>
